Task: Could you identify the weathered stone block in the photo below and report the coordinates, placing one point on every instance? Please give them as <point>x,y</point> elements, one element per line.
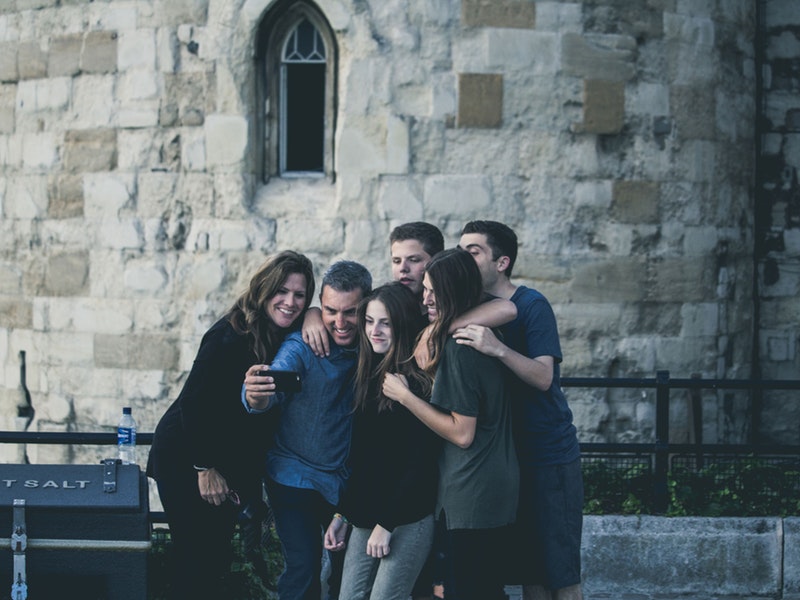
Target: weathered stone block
<point>621,280</point>
<point>138,351</point>
<point>177,12</point>
<point>90,150</point>
<point>10,278</point>
<point>99,52</point>
<point>693,108</point>
<point>16,313</point>
<point>64,58</point>
<point>226,140</point>
<point>600,57</point>
<point>8,62</point>
<point>467,196</point>
<point>691,279</point>
<point>603,107</point>
<point>791,557</point>
<point>519,14</point>
<point>66,197</point>
<point>625,556</point>
<point>31,61</point>
<point>480,100</point>
<point>67,274</point>
<point>635,201</point>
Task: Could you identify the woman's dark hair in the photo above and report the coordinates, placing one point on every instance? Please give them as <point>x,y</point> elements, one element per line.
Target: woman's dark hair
<point>406,321</point>
<point>248,315</point>
<point>457,287</point>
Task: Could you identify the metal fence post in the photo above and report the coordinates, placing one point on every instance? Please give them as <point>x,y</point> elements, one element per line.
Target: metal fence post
<point>660,492</point>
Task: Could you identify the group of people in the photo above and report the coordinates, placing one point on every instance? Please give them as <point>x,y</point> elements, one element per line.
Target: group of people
<point>429,452</point>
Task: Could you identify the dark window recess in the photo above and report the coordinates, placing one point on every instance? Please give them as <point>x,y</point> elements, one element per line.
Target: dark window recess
<point>305,121</point>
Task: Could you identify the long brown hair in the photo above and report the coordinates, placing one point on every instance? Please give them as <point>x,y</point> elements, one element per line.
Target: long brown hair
<point>457,287</point>
<point>406,321</point>
<point>248,315</point>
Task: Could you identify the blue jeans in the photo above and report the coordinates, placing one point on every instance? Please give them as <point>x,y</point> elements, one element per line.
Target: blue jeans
<point>391,577</point>
<point>301,516</point>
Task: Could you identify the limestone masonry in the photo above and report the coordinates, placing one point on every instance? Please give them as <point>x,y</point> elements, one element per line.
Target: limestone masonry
<point>646,152</point>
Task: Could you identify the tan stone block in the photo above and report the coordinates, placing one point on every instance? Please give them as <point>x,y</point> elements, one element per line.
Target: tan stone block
<point>90,151</point>
<point>520,14</point>
<point>8,62</point>
<point>683,279</point>
<point>694,111</point>
<point>480,100</point>
<point>66,197</point>
<point>635,201</point>
<point>139,351</point>
<point>67,274</point>
<point>31,61</point>
<point>622,280</point>
<point>603,107</point>
<point>64,57</point>
<point>99,52</point>
<point>16,313</point>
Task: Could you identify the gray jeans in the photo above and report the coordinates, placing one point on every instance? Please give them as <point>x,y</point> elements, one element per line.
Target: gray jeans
<point>391,577</point>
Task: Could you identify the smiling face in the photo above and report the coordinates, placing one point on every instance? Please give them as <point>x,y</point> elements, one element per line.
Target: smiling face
<point>409,260</point>
<point>378,327</point>
<point>288,303</point>
<point>339,314</point>
<point>429,298</point>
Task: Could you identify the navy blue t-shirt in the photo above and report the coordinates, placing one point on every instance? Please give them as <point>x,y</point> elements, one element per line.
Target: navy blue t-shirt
<point>543,427</point>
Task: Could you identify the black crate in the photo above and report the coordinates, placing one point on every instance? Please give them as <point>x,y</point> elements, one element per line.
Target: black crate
<point>84,539</point>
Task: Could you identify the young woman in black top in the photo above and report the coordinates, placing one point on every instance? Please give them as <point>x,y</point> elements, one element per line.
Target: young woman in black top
<point>207,452</point>
<point>391,492</point>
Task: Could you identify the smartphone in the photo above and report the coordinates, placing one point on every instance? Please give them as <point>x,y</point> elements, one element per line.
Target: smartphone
<point>285,381</point>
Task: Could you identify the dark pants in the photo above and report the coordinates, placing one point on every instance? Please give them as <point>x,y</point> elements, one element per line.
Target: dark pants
<point>475,560</point>
<point>301,517</point>
<point>201,537</point>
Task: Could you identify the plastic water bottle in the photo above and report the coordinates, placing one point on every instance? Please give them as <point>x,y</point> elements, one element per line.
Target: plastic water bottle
<point>126,437</point>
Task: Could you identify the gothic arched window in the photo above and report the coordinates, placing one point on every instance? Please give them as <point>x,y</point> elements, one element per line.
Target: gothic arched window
<point>296,80</point>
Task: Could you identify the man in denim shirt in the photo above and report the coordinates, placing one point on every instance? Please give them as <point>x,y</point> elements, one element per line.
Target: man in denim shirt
<point>306,468</point>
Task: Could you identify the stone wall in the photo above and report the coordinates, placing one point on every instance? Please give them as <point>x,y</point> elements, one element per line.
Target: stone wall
<point>778,216</point>
<point>616,138</point>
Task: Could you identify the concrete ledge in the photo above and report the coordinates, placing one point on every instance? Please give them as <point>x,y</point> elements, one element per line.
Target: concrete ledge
<point>690,556</point>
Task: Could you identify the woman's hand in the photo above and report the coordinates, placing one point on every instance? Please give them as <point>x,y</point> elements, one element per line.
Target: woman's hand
<point>335,535</point>
<point>212,486</point>
<point>395,387</point>
<point>314,332</point>
<point>258,388</point>
<point>378,542</point>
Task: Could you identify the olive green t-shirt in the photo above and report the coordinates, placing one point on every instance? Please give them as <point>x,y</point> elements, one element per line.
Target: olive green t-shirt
<point>478,486</point>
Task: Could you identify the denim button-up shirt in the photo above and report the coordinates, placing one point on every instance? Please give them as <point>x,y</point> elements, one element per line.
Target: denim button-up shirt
<point>313,439</point>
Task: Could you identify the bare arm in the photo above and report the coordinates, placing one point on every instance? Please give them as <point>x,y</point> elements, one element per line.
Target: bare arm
<point>536,372</point>
<point>493,313</point>
<point>455,428</point>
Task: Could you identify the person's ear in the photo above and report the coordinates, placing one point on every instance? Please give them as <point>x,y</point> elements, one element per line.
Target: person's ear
<point>502,263</point>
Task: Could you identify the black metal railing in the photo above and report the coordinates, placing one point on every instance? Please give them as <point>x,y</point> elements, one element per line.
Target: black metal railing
<point>658,450</point>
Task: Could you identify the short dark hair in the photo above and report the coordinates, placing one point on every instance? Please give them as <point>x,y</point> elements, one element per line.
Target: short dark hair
<point>428,235</point>
<point>346,276</point>
<point>500,238</point>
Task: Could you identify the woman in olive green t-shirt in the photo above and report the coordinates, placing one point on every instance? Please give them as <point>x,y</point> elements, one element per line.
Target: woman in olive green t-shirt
<point>478,471</point>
